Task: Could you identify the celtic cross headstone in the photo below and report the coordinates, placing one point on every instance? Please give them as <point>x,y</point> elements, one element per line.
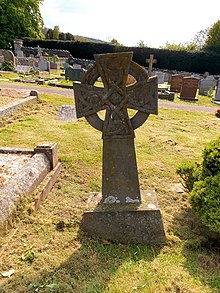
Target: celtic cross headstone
<point>120,184</point>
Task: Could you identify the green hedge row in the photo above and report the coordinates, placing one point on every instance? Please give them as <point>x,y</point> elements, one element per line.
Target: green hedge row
<point>197,62</point>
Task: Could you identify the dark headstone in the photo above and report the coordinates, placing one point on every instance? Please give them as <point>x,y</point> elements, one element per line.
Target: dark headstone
<point>189,88</point>
<point>120,183</point>
<point>176,83</point>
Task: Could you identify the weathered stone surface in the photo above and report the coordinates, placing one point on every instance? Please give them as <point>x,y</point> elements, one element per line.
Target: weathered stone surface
<point>176,83</point>
<point>117,128</point>
<point>130,223</point>
<point>119,217</point>
<point>206,84</point>
<point>67,113</point>
<point>74,74</point>
<point>21,171</point>
<point>189,88</point>
<point>26,173</point>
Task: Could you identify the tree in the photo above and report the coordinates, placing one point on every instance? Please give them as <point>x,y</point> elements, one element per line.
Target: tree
<point>200,38</point>
<point>56,32</point>
<point>115,42</point>
<point>213,40</point>
<point>19,18</point>
<point>49,34</point>
<point>141,44</point>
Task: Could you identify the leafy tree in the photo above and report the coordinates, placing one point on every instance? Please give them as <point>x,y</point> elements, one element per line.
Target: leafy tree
<point>70,37</point>
<point>56,32</point>
<point>141,44</point>
<point>213,41</point>
<point>115,42</point>
<point>49,34</point>
<point>19,18</point>
<point>62,36</point>
<point>200,38</point>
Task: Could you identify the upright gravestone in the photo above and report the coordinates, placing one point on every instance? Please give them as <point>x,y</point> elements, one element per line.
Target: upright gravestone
<point>39,51</point>
<point>160,76</point>
<point>74,74</point>
<point>189,88</point>
<point>176,83</point>
<point>216,100</point>
<point>43,64</point>
<point>9,57</point>
<point>206,84</point>
<point>67,113</point>
<point>122,213</point>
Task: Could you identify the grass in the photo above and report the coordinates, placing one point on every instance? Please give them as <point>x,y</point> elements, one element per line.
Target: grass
<point>63,259</point>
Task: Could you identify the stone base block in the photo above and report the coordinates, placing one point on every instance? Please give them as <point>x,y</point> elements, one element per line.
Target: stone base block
<point>166,96</point>
<point>188,99</point>
<point>126,224</point>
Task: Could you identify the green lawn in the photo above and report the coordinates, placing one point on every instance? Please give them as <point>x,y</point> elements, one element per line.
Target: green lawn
<point>46,248</point>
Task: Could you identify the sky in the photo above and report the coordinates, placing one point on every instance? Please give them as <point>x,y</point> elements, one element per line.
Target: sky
<point>154,22</point>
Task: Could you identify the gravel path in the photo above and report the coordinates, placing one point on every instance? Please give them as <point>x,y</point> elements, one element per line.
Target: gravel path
<point>69,93</point>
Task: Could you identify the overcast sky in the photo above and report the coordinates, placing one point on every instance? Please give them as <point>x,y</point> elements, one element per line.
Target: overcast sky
<point>155,22</point>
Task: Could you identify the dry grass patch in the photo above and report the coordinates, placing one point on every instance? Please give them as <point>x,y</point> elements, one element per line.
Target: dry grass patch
<point>46,249</point>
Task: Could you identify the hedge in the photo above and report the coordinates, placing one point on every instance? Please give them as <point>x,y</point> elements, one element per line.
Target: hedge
<point>197,62</point>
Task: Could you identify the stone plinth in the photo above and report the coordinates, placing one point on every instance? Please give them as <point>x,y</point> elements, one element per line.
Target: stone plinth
<point>130,223</point>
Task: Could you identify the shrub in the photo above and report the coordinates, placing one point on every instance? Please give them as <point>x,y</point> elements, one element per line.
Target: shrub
<point>205,201</point>
<point>7,66</point>
<point>203,184</point>
<point>189,173</point>
<point>211,159</point>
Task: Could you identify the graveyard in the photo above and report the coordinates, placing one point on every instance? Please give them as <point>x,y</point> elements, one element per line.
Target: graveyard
<point>44,249</point>
<point>46,246</point>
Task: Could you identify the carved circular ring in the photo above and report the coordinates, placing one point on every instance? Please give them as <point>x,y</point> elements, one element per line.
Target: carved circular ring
<point>138,73</point>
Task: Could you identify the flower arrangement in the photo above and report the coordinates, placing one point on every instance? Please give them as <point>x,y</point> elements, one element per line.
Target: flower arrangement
<point>217,113</point>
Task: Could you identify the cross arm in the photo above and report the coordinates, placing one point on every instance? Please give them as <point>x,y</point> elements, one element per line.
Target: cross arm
<point>88,99</point>
<point>142,96</point>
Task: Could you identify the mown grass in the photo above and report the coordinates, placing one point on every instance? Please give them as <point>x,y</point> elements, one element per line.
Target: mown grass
<point>66,260</point>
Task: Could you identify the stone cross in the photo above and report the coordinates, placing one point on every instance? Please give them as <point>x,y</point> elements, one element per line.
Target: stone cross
<point>120,182</point>
<point>151,61</point>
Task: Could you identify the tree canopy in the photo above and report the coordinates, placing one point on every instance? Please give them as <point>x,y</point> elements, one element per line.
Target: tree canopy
<point>19,18</point>
<point>213,40</point>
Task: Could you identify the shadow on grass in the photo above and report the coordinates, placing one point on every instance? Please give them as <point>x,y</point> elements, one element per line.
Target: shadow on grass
<point>89,269</point>
<point>201,248</point>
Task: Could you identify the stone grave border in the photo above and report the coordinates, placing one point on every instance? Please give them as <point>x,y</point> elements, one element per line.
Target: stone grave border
<point>45,162</point>
<point>7,110</point>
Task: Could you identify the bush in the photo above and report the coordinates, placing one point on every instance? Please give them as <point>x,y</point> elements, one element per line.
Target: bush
<point>203,184</point>
<point>199,62</point>
<point>211,159</point>
<point>205,201</point>
<point>189,173</point>
<point>7,66</point>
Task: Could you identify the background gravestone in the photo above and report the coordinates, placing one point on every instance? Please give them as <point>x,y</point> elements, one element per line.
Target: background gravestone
<point>67,113</point>
<point>160,76</point>
<point>176,83</point>
<point>206,85</point>
<point>217,94</point>
<point>74,74</point>
<point>9,57</point>
<point>189,88</point>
